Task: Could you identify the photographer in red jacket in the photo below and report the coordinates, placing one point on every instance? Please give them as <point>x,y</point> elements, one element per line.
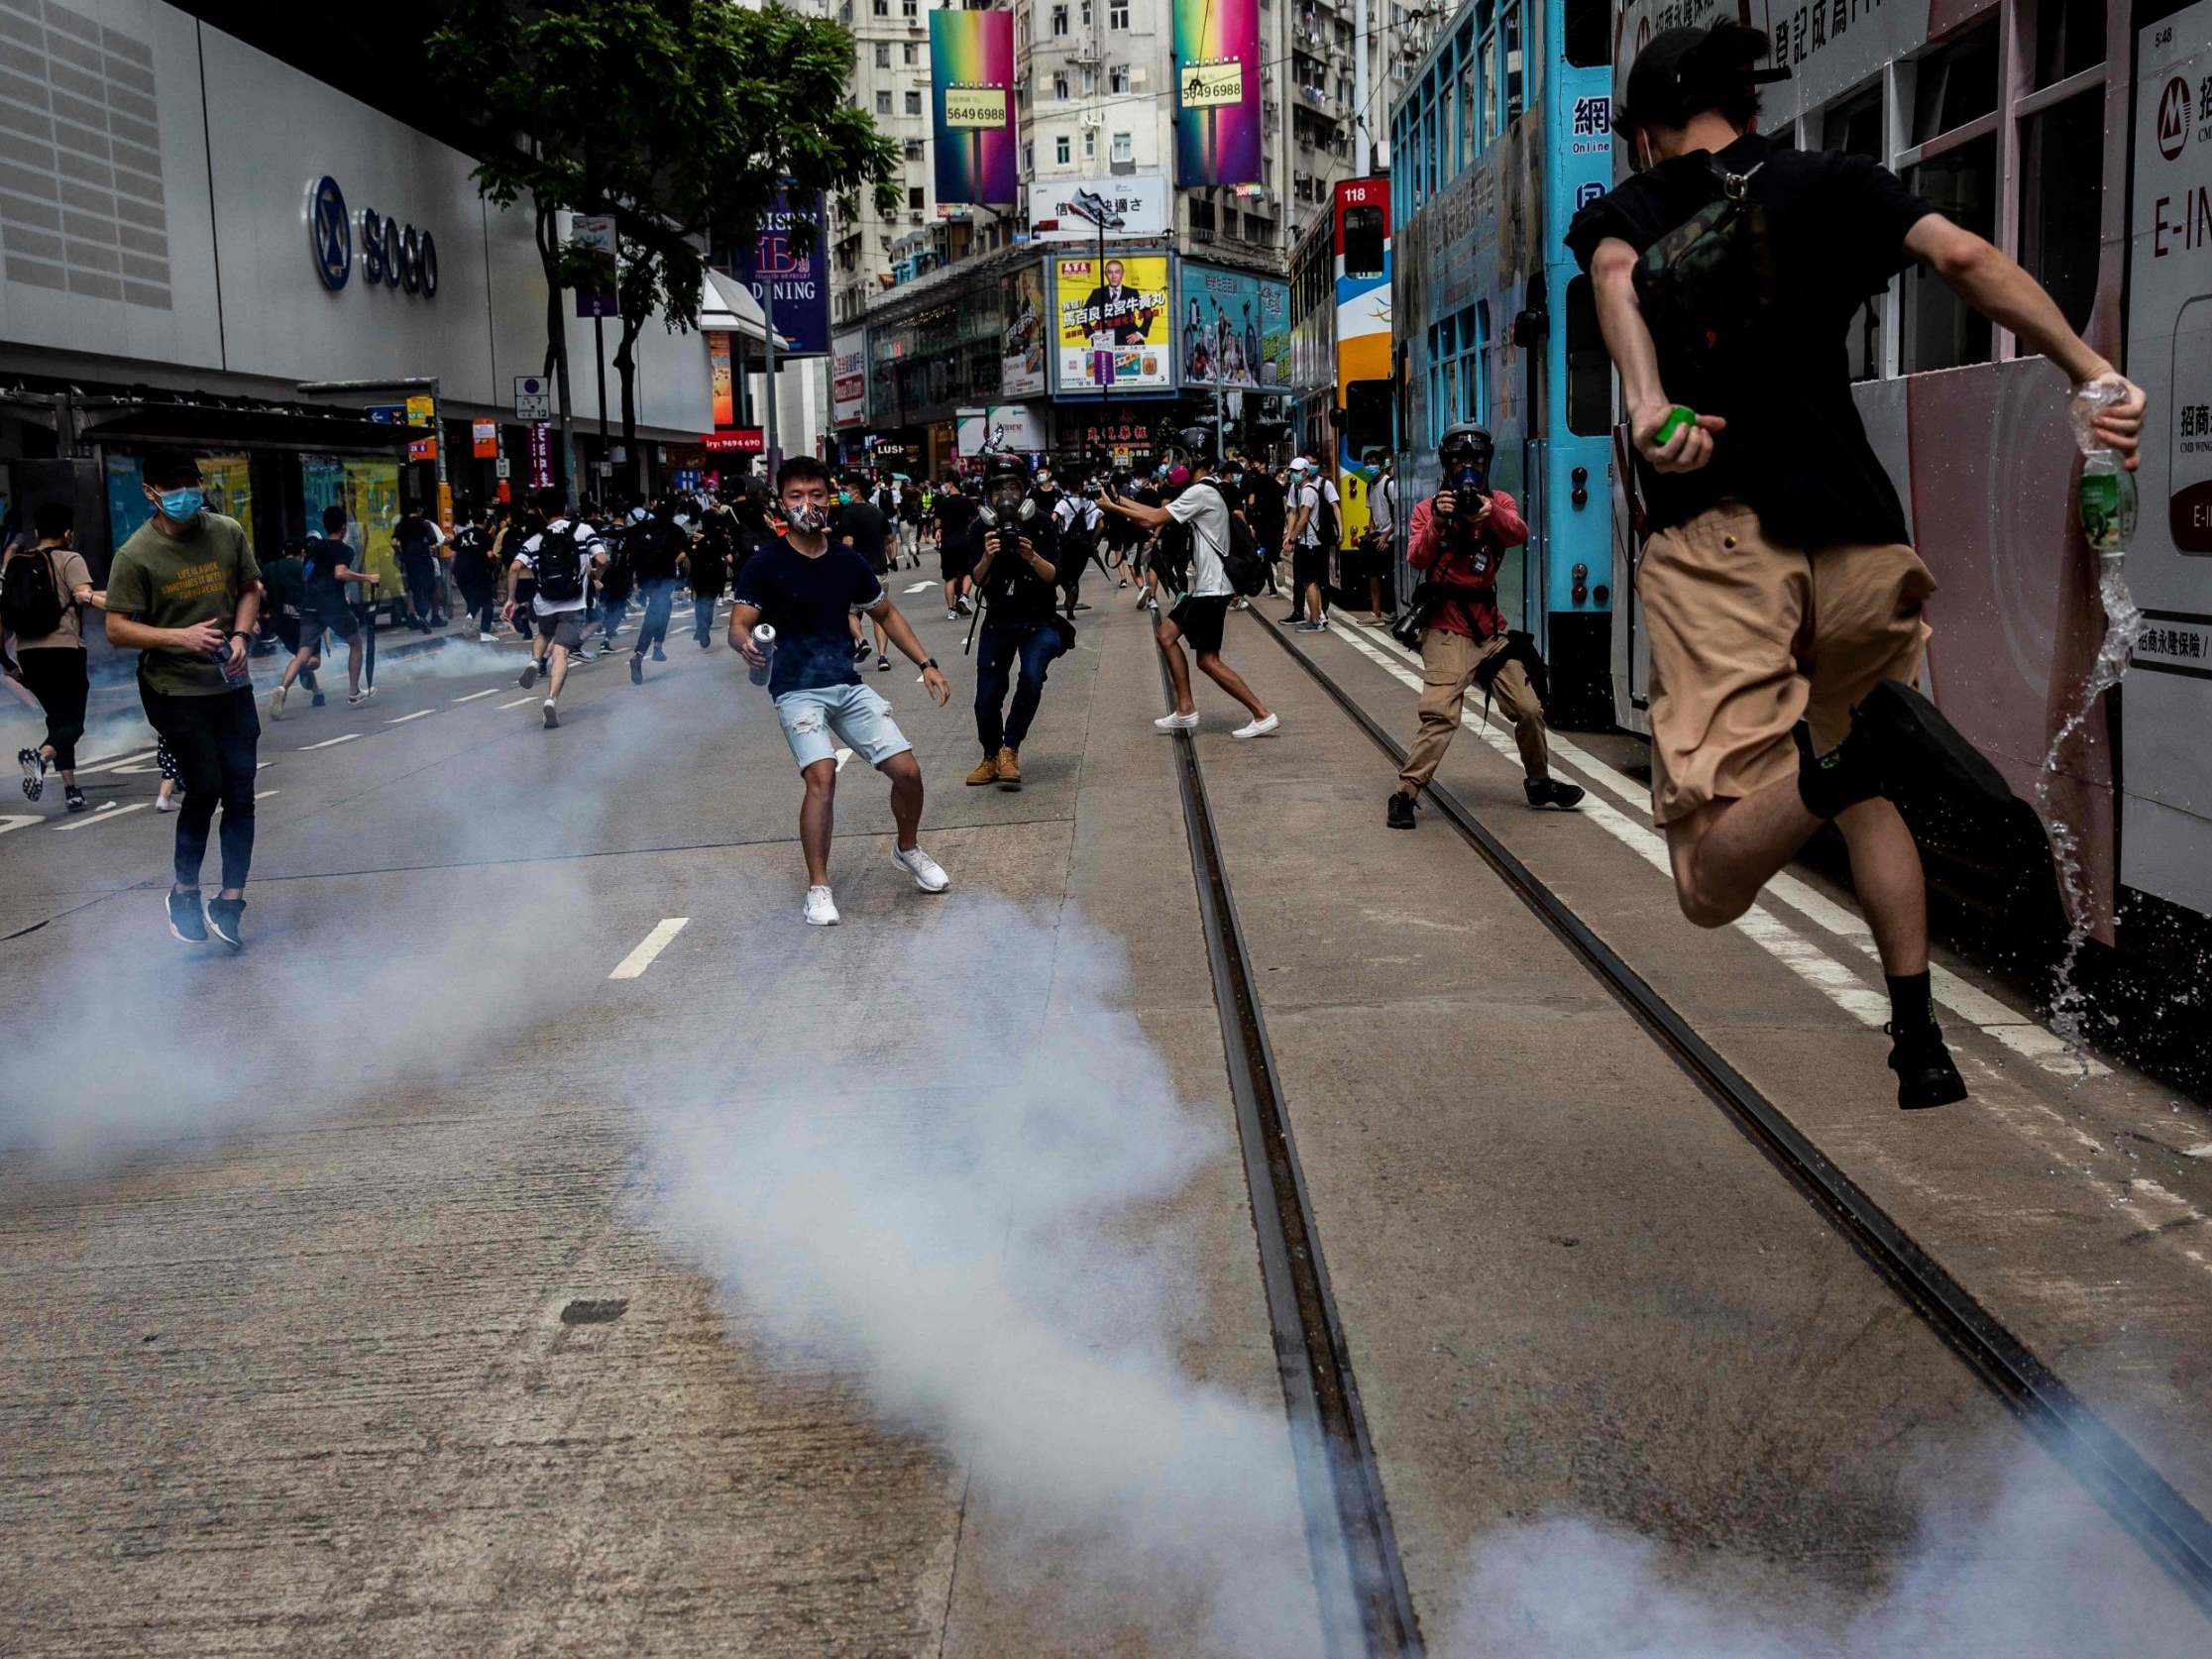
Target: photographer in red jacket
<point>1460,537</point>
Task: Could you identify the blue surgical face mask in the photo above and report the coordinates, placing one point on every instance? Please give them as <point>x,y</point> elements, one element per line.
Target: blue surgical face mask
<point>637,515</point>
<point>181,505</point>
<point>683,520</point>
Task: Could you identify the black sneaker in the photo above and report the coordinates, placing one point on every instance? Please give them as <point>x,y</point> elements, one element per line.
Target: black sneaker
<point>883,665</point>
<point>318,701</point>
<point>1550,792</point>
<point>73,798</point>
<point>528,676</point>
<point>1916,749</point>
<point>34,772</point>
<point>1399,814</point>
<point>308,679</point>
<point>1926,1076</point>
<point>637,669</point>
<point>659,655</point>
<point>186,925</point>
<point>226,921</point>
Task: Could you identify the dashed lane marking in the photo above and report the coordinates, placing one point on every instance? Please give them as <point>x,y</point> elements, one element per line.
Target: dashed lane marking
<point>23,820</point>
<point>107,762</point>
<point>651,946</point>
<point>473,695</point>
<point>328,742</point>
<point>265,794</point>
<point>106,813</point>
<point>402,720</point>
<point>518,702</point>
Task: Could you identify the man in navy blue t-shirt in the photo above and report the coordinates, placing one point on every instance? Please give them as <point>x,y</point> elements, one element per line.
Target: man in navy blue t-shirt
<point>807,587</point>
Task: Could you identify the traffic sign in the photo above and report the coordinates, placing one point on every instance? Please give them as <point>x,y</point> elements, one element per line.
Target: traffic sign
<point>502,468</point>
<point>534,397</point>
<point>388,414</point>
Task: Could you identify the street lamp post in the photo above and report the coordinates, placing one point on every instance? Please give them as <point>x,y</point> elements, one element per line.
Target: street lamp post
<point>1093,208</point>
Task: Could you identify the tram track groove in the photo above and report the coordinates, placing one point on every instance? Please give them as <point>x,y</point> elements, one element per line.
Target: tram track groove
<point>2172,1531</point>
<point>1367,1605</point>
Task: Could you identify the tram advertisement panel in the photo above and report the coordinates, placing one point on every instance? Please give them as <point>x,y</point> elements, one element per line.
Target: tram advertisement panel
<point>1126,299</point>
<point>2167,849</point>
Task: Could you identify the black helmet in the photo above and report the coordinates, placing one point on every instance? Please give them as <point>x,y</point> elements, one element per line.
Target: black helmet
<point>1467,443</point>
<point>1006,478</point>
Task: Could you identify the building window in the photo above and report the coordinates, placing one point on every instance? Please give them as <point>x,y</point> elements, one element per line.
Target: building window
<point>1117,79</point>
<point>913,103</point>
<point>908,55</point>
<point>1060,22</point>
<point>1060,149</point>
<point>1059,85</point>
<point>1029,160</point>
<point>1116,17</point>
<point>1123,153</point>
<point>914,197</point>
<point>883,54</point>
<point>1090,144</point>
<point>883,103</point>
<point>914,150</point>
<point>907,9</point>
<point>1084,16</point>
<point>882,8</point>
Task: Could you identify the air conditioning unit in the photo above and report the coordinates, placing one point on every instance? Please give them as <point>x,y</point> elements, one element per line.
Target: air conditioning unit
<point>1201,236</point>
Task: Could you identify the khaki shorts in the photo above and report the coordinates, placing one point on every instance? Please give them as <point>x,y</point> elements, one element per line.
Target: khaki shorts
<point>1747,638</point>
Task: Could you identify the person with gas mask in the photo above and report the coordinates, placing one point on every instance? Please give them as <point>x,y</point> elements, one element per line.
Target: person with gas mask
<point>1014,550</point>
<point>1460,538</point>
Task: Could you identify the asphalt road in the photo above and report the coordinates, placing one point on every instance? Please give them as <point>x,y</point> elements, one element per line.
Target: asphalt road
<point>539,1242</point>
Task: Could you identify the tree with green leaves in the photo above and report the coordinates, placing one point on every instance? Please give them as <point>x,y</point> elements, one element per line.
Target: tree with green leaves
<point>680,118</point>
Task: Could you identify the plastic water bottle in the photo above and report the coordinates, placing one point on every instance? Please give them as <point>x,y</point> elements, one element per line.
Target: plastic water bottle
<point>764,636</point>
<point>2107,493</point>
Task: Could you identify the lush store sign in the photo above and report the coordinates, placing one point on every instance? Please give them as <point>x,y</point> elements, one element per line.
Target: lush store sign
<point>392,254</point>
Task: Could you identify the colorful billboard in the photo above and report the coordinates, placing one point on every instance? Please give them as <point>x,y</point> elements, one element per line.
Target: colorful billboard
<point>1022,344</point>
<point>796,285</point>
<point>971,106</point>
<point>720,379</point>
<point>849,379</point>
<point>1122,308</point>
<point>1217,93</point>
<point>1233,330</point>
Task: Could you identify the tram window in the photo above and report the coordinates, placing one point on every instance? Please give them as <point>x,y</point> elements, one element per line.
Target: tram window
<point>1490,122</point>
<point>1955,84</point>
<point>1853,125</point>
<point>1941,330</point>
<point>1589,368</point>
<point>2061,191</point>
<point>1589,32</point>
<point>2069,38</point>
<point>1366,416</point>
<point>1512,62</point>
<point>1363,236</point>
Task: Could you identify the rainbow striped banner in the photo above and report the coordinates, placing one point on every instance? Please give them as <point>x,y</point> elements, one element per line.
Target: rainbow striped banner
<point>1217,93</point>
<point>971,105</point>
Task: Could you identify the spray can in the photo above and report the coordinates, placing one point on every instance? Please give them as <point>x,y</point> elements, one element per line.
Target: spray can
<point>2107,502</point>
<point>764,638</point>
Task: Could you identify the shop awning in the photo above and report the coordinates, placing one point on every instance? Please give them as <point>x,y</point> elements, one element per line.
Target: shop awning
<point>729,307</point>
<point>220,426</point>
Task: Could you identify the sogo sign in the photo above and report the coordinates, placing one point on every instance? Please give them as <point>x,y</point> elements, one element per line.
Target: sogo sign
<point>392,254</point>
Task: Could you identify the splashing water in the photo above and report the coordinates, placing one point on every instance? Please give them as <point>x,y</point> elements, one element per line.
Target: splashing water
<point>2107,508</point>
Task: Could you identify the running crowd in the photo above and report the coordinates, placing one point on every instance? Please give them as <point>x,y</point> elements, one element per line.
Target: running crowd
<point>1783,601</point>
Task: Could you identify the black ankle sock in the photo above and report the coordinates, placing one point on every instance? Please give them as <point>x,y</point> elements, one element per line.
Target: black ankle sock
<point>1836,781</point>
<point>1908,994</point>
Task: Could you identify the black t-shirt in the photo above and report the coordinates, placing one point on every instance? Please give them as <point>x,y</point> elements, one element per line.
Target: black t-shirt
<point>321,559</point>
<point>414,536</point>
<point>653,547</point>
<point>807,601</point>
<point>710,564</point>
<point>1263,510</point>
<point>955,513</point>
<point>1793,450</point>
<point>862,525</point>
<point>1016,594</point>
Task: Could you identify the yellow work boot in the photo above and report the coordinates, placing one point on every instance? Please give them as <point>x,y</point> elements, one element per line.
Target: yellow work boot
<point>1009,770</point>
<point>986,772</point>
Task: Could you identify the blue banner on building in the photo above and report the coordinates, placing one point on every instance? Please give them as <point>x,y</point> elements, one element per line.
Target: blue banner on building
<point>792,287</point>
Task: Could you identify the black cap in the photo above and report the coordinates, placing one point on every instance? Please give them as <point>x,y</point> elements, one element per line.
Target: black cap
<point>1681,72</point>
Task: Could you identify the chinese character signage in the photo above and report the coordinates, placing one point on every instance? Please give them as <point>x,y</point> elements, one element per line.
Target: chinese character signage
<point>794,287</point>
<point>971,94</point>
<point>484,439</point>
<point>1138,199</point>
<point>1217,93</point>
<point>1233,330</point>
<point>1022,344</point>
<point>1125,305</point>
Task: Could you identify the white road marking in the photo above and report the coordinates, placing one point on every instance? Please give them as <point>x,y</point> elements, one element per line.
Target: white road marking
<point>105,813</point>
<point>923,586</point>
<point>518,702</point>
<point>844,755</point>
<point>106,762</point>
<point>265,794</point>
<point>651,946</point>
<point>328,742</point>
<point>21,821</point>
<point>2015,1029</point>
<point>473,695</point>
<point>2203,1151</point>
<point>416,715</point>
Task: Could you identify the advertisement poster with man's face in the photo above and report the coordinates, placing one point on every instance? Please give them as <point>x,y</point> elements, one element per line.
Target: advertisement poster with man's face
<point>1022,344</point>
<point>1233,330</point>
<point>1123,303</point>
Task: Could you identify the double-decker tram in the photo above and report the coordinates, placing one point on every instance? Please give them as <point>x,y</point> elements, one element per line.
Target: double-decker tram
<point>1340,348</point>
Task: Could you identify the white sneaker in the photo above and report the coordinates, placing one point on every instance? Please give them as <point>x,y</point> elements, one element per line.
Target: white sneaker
<point>1257,728</point>
<point>928,874</point>
<point>1177,722</point>
<point>355,700</point>
<point>952,616</point>
<point>277,703</point>
<point>821,909</point>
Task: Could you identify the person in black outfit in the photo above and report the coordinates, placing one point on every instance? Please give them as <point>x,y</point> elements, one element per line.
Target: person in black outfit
<point>1263,511</point>
<point>656,548</point>
<point>417,543</point>
<point>955,513</point>
<point>706,566</point>
<point>861,526</point>
<point>473,573</point>
<point>1014,548</point>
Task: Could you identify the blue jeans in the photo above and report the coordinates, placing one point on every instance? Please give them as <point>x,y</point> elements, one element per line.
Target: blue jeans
<point>611,612</point>
<point>660,598</point>
<point>1034,645</point>
<point>703,620</point>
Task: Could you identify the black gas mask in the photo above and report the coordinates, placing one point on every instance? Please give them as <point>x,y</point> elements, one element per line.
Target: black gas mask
<point>1007,504</point>
<point>1464,461</point>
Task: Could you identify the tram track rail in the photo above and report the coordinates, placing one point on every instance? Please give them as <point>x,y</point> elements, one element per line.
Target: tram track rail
<point>2174,1532</point>
<point>1366,1608</point>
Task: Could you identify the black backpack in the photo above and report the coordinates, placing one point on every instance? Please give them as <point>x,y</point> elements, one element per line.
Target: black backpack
<point>560,566</point>
<point>30,597</point>
<point>1240,560</point>
<point>1326,527</point>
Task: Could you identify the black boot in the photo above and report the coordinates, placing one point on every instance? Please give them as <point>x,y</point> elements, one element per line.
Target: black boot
<point>1399,814</point>
<point>1926,1076</point>
<point>1550,792</point>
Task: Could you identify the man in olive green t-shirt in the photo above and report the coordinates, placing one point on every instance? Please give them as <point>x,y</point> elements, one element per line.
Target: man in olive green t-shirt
<point>181,594</point>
